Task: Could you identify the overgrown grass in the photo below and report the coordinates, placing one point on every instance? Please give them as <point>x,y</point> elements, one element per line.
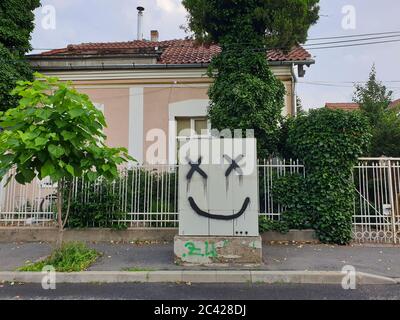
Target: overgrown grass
<point>71,257</point>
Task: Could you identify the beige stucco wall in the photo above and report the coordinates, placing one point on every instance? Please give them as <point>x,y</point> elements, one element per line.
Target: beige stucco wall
<point>114,91</point>
<point>156,107</point>
<point>116,111</point>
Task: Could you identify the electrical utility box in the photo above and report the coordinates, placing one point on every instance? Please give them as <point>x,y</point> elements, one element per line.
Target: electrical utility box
<point>218,187</point>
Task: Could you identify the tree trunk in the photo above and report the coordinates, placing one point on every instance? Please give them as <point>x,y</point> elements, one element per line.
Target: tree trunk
<point>59,215</point>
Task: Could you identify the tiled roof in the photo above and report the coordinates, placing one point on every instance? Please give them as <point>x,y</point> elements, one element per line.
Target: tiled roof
<point>343,106</point>
<point>170,52</point>
<point>395,103</point>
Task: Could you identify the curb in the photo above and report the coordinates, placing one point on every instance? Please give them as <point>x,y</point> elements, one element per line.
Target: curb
<point>268,277</point>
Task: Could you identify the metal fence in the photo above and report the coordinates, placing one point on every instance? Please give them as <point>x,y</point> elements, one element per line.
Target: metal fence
<point>269,172</point>
<point>147,197</point>
<point>23,205</point>
<point>142,197</point>
<point>376,203</point>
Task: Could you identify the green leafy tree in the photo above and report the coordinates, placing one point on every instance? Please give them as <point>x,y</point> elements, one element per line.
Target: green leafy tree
<point>299,106</point>
<point>16,25</point>
<point>386,135</point>
<point>245,93</point>
<point>374,99</point>
<point>56,132</point>
<point>329,142</point>
<point>276,23</point>
<point>248,96</point>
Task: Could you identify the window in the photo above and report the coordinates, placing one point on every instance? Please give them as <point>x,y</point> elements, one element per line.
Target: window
<point>191,127</point>
<point>99,107</point>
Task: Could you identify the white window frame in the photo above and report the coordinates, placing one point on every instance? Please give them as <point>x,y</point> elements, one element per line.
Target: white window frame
<point>193,133</point>
<point>197,108</point>
<point>99,106</point>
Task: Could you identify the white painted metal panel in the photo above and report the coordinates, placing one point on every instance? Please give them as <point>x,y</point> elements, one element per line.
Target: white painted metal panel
<point>221,200</point>
<point>190,223</point>
<point>246,187</point>
<point>223,193</point>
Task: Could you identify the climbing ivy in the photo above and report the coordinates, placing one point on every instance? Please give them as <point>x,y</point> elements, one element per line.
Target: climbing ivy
<point>289,192</point>
<point>245,93</point>
<point>329,142</point>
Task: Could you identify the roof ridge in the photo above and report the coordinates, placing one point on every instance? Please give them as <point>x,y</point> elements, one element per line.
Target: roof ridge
<point>175,51</point>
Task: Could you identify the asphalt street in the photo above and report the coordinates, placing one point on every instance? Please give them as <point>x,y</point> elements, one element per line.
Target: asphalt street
<point>383,260</point>
<point>155,291</point>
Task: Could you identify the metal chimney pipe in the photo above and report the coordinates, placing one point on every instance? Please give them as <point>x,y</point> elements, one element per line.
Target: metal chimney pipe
<point>140,23</point>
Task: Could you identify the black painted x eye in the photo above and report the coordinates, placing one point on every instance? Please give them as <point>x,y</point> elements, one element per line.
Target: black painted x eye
<point>195,167</point>
<point>234,165</point>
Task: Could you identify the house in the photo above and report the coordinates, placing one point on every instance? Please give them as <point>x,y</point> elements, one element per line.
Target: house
<point>151,90</point>
<point>346,106</point>
<point>350,106</point>
<point>395,104</point>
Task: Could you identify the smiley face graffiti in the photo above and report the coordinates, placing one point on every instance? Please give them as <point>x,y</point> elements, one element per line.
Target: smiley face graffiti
<point>195,168</point>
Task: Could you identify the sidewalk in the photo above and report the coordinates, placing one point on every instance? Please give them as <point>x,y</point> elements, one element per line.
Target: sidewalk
<point>383,261</point>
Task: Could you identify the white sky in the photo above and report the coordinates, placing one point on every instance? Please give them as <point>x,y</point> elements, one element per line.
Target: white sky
<point>115,20</point>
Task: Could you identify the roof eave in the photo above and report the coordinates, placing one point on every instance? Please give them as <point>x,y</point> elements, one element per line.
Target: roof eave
<point>43,57</point>
<point>121,67</point>
<point>157,66</point>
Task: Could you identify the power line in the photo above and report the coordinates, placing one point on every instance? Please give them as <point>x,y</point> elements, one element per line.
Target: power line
<point>383,35</point>
<point>355,40</point>
<point>332,85</point>
<point>354,36</point>
<point>353,45</point>
<point>355,81</point>
<point>324,84</point>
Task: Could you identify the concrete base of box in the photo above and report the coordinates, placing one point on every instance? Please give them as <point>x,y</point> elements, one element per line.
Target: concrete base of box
<point>210,250</point>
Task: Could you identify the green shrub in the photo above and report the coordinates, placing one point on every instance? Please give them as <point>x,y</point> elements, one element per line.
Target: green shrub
<point>266,224</point>
<point>329,143</point>
<point>71,257</point>
<point>100,204</point>
<point>288,191</point>
<point>94,204</point>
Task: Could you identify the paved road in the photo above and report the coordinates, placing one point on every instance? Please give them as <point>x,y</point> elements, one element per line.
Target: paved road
<point>198,292</point>
<point>116,257</point>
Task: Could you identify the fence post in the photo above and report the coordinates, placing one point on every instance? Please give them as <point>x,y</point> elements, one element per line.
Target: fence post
<point>2,193</point>
<point>392,202</point>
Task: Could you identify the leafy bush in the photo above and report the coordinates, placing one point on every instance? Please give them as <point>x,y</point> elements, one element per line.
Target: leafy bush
<point>265,224</point>
<point>289,192</point>
<point>71,257</point>
<point>102,203</point>
<point>95,205</point>
<point>329,142</point>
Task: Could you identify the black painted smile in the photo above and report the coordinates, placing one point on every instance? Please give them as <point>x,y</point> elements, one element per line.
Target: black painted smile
<point>202,213</point>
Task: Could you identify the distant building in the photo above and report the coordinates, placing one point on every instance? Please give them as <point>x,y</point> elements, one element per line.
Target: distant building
<point>350,106</point>
<point>395,104</point>
<point>346,106</point>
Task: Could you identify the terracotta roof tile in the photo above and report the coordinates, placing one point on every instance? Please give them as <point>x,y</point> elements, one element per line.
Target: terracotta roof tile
<point>395,103</point>
<point>170,52</point>
<point>343,106</point>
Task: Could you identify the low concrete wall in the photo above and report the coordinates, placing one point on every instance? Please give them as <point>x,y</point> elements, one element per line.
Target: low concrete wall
<point>292,235</point>
<point>89,235</point>
<point>107,235</point>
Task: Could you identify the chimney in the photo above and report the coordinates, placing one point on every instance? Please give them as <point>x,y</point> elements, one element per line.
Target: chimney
<point>154,35</point>
<point>140,23</point>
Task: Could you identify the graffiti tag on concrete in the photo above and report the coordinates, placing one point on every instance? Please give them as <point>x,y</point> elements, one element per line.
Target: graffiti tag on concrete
<point>208,250</point>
